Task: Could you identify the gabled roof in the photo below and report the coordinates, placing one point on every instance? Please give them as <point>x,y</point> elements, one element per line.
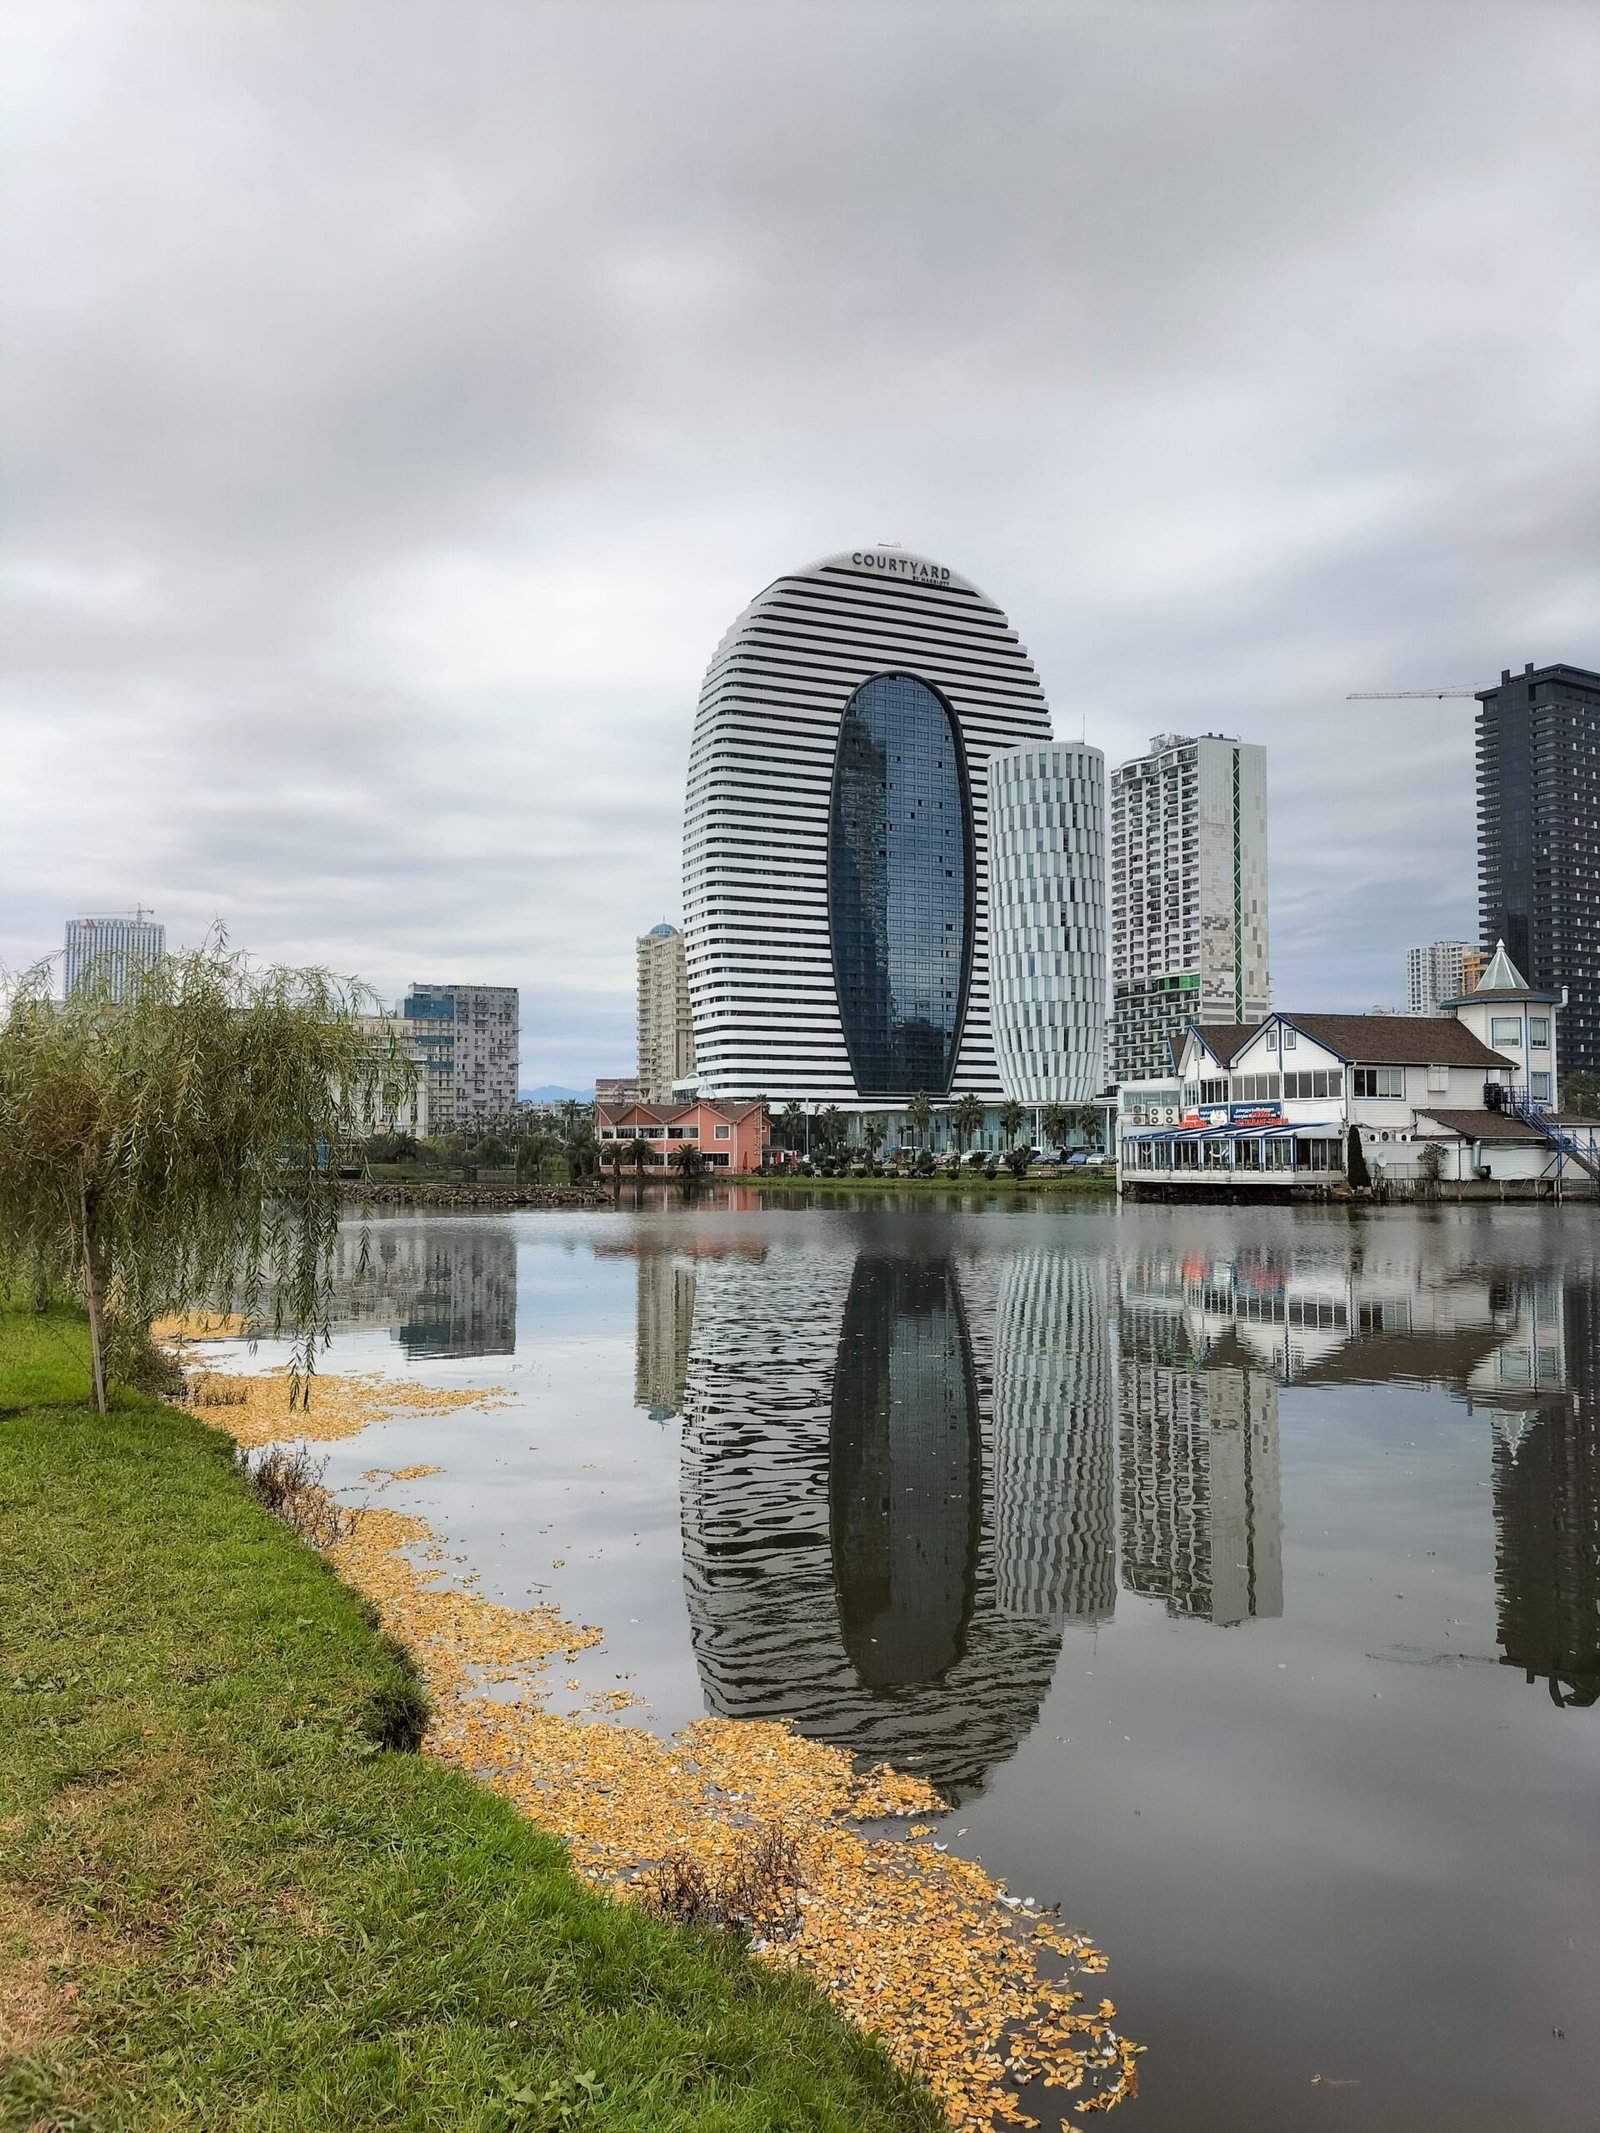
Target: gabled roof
<point>1398,1040</point>
<point>1223,1040</point>
<point>616,1114</point>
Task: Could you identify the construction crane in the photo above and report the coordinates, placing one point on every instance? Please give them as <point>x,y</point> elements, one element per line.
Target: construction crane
<point>1385,696</point>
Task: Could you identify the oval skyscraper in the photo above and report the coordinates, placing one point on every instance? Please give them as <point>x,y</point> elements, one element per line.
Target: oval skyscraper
<point>836,897</point>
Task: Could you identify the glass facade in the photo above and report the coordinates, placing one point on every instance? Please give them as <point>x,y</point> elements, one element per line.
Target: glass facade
<point>900,874</point>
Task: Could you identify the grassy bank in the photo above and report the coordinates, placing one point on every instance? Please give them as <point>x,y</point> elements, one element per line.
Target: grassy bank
<point>224,1903</point>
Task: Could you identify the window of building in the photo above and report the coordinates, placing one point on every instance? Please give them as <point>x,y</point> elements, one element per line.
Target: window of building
<point>1539,1030</point>
<point>1272,1038</point>
<point>1320,1082</point>
<point>1256,1088</point>
<point>1541,1087</point>
<point>1505,1029</point>
<point>1214,1092</point>
<point>723,1132</point>
<point>1377,1081</point>
<point>1290,1039</point>
<point>1438,1081</point>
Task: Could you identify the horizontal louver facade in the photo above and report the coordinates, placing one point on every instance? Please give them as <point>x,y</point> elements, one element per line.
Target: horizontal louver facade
<point>757,933</point>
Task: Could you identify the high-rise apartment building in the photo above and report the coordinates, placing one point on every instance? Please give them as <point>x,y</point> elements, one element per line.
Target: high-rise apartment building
<point>467,1034</point>
<point>666,1034</point>
<point>1434,975</point>
<point>1188,894</point>
<point>1539,839</point>
<point>108,950</point>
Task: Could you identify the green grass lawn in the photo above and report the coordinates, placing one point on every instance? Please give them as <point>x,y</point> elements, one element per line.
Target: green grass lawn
<point>223,1906</point>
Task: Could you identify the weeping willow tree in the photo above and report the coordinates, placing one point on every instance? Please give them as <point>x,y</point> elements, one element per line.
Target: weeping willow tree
<point>181,1142</point>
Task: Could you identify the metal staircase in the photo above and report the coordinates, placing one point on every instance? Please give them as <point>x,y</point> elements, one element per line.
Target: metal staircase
<point>1517,1104</point>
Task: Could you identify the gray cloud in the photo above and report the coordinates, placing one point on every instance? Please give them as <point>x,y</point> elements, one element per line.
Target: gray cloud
<point>404,400</point>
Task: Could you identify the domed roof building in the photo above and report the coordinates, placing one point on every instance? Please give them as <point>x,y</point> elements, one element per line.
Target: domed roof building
<point>836,860</point>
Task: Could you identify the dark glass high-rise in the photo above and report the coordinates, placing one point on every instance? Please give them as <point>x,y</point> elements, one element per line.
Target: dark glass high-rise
<point>900,876</point>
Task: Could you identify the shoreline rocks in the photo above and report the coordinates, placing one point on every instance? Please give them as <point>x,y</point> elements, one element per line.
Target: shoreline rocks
<point>425,1193</point>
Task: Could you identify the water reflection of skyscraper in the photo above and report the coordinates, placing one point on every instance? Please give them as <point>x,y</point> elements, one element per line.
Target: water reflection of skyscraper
<point>1547,1517</point>
<point>837,1488</point>
<point>664,1306</point>
<point>444,1288</point>
<point>1201,1521</point>
<point>1055,1478</point>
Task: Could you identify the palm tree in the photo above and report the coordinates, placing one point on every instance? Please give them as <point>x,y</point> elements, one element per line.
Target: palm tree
<point>612,1152</point>
<point>872,1140</point>
<point>687,1161</point>
<point>1086,1120</point>
<point>919,1113</point>
<point>639,1154</point>
<point>1011,1117</point>
<point>583,1156</point>
<point>967,1117</point>
<point>831,1129</point>
<point>1055,1122</point>
<point>793,1125</point>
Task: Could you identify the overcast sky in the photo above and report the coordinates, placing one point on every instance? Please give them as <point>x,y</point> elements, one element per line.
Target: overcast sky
<point>402,399</point>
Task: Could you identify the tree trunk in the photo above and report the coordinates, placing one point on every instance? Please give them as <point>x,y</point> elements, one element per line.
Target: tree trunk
<point>94,1288</point>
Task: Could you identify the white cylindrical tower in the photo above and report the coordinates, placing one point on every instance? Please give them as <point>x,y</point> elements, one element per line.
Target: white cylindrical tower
<point>1047,920</point>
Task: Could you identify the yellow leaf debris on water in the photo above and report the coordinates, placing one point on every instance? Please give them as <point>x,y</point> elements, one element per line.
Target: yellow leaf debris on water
<point>253,1407</point>
<point>963,1984</point>
<point>381,1476</point>
<point>180,1327</point>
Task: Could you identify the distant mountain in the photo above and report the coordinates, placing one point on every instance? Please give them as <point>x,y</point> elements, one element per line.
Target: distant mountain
<point>550,1092</point>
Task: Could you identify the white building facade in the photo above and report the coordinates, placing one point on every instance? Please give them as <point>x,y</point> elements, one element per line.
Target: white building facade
<point>1189,932</point>
<point>1434,975</point>
<point>1047,858</point>
<point>1271,1104</point>
<point>109,951</point>
<point>836,886</point>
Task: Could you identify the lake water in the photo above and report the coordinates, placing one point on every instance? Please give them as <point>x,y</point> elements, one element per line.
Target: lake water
<point>1236,1573</point>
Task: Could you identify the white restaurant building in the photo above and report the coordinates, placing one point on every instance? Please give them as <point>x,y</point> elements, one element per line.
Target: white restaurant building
<point>1270,1104</point>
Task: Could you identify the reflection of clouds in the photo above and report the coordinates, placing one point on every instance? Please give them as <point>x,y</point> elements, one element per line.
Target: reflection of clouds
<point>814,1509</point>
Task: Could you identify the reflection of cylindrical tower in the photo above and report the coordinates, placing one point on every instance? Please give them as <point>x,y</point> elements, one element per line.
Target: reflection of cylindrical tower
<point>1047,920</point>
<point>790,1569</point>
<point>1055,1480</point>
